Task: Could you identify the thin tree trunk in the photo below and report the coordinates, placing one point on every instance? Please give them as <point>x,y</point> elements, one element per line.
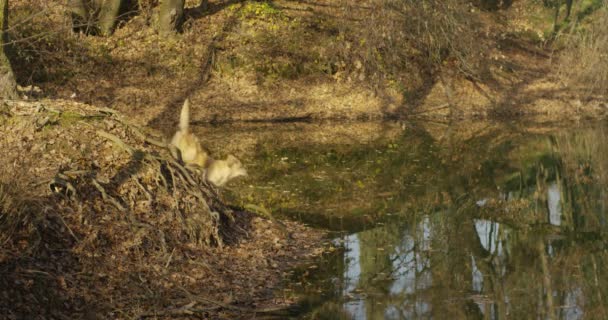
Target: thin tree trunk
<point>110,10</point>
<point>171,16</point>
<point>8,86</point>
<point>83,13</point>
<point>568,8</point>
<point>558,4</point>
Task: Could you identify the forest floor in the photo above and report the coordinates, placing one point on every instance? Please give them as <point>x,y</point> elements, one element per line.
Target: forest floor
<point>238,62</point>
<point>272,61</point>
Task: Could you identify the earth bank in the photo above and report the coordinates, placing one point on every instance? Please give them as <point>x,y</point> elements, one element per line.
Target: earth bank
<point>97,223</point>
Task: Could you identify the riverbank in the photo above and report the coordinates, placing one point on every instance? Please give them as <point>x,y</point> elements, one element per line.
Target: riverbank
<point>285,61</point>
<point>91,230</point>
<point>76,250</point>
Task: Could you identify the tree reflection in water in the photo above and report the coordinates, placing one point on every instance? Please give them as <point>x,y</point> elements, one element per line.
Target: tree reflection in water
<point>501,223</point>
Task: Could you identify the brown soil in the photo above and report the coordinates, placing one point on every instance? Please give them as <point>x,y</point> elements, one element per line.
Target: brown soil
<point>74,255</point>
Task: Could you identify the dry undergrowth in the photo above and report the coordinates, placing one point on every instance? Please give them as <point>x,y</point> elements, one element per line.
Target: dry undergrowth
<point>269,60</point>
<point>98,220</point>
<point>584,63</point>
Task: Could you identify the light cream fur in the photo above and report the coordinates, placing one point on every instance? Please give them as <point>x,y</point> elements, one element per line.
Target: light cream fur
<point>217,172</point>
<point>221,171</point>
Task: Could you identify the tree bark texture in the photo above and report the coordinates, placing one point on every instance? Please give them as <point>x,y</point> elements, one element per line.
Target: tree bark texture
<point>108,16</point>
<point>84,15</point>
<point>96,16</point>
<point>171,16</point>
<point>8,86</point>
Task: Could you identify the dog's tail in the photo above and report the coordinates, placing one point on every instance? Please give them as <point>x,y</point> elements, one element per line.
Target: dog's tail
<point>184,116</point>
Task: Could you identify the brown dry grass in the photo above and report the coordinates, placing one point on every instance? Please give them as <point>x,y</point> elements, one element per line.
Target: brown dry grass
<point>583,64</point>
<point>259,61</point>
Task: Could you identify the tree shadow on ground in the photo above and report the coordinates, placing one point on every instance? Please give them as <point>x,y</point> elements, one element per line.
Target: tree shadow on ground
<point>36,268</point>
<point>206,9</point>
<point>516,96</point>
<point>165,119</point>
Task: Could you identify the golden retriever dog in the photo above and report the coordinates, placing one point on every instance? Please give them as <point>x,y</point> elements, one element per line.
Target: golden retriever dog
<point>192,153</point>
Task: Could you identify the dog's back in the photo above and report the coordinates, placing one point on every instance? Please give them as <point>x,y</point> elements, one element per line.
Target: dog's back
<point>187,143</point>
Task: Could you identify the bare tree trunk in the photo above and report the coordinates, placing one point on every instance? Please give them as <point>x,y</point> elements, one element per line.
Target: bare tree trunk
<point>79,8</point>
<point>84,13</point>
<point>108,17</point>
<point>558,4</point>
<point>8,86</point>
<point>171,16</point>
<point>568,8</point>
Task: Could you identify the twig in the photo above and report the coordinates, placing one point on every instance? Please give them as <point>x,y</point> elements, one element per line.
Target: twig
<point>138,132</point>
<point>170,258</point>
<point>76,172</point>
<point>183,171</point>
<point>62,180</point>
<point>36,272</point>
<point>106,196</point>
<point>144,137</point>
<point>170,169</point>
<point>181,311</point>
<point>116,140</point>
<point>68,227</point>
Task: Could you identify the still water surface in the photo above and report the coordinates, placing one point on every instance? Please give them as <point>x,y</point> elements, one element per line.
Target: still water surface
<point>480,221</point>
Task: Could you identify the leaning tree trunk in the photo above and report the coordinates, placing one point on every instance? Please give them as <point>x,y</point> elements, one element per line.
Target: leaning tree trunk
<point>108,17</point>
<point>171,16</point>
<point>7,78</point>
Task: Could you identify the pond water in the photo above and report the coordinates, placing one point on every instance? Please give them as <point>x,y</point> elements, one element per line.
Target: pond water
<point>475,221</point>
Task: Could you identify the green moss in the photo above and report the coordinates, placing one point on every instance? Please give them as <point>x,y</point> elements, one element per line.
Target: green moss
<point>260,10</point>
<point>69,118</point>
